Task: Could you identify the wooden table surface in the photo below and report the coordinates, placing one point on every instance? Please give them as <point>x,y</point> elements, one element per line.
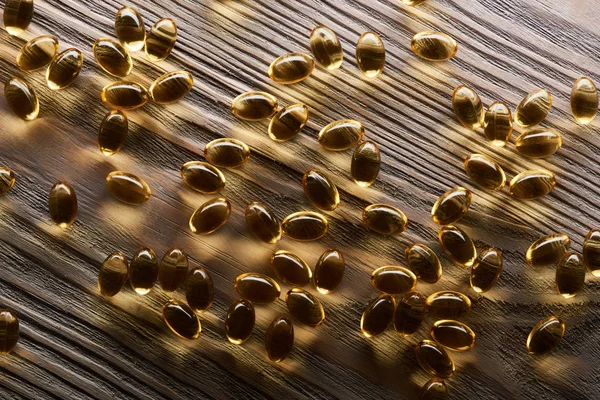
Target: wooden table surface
<point>77,344</point>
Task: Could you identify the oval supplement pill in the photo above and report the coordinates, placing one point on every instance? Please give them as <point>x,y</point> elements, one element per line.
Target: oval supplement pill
<point>22,99</point>
<point>257,288</point>
<point>539,142</point>
<point>423,262</point>
<point>485,172</point>
<point>62,203</point>
<point>326,47</point>
<point>393,280</point>
<point>173,269</point>
<point>468,107</point>
<point>457,245</point>
<point>305,226</point>
<point>533,108</point>
<point>127,187</point>
<point>124,95</point>
<point>341,135</point>
<point>377,315</point>
<point>329,271</point>
<point>548,250</point>
<point>210,216</point>
<point>37,53</point>
<point>113,274</point>
<point>254,106</point>
<point>181,319</point>
<point>434,359</point>
<point>486,270</point>
<point>279,339</point>
<point>291,68</point>
<point>370,54</point>
<point>498,123</point>
<point>130,29</point>
<point>320,190</point>
<point>226,153</point>
<point>9,330</point>
<point>453,335</point>
<point>591,252</point>
<point>113,132</point>
<point>434,46</point>
<point>171,87</point>
<point>143,271</point>
<point>64,69</point>
<point>532,184</point>
<point>290,268</point>
<point>17,16</point>
<point>239,322</point>
<point>365,164</point>
<point>570,275</point>
<point>262,222</point>
<point>202,177</point>
<point>161,39</point>
<point>199,290</point>
<point>305,307</point>
<point>7,180</point>
<point>451,206</point>
<point>112,57</point>
<point>384,219</point>
<point>410,313</point>
<point>434,389</point>
<point>545,335</point>
<point>584,100</point>
<point>288,122</point>
<point>448,304</point>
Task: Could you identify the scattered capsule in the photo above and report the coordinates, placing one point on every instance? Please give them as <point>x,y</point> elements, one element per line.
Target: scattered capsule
<point>161,39</point>
<point>290,268</point>
<point>173,269</point>
<point>210,216</point>
<point>366,162</point>
<point>434,389</point>
<point>239,322</point>
<point>434,46</point>
<point>254,106</point>
<point>227,153</point>
<point>124,95</point>
<point>423,262</point>
<point>113,132</point>
<point>570,275</point>
<point>305,307</point>
<point>62,203</point>
<point>202,177</point>
<point>498,124</point>
<point>143,271</point>
<point>279,338</point>
<point>457,245</point>
<point>584,100</point>
<point>64,69</point>
<point>393,280</point>
<point>181,319</point>
<point>326,47</point>
<point>113,274</point>
<point>453,335</point>
<point>545,335</point>
<point>329,271</point>
<point>37,53</point>
<point>591,252</point>
<point>171,87</point>
<point>112,57</point>
<point>410,312</point>
<point>305,226</point>
<point>130,29</point>
<point>257,288</point>
<point>22,99</point>
<point>384,219</point>
<point>434,359</point>
<point>9,331</point>
<point>7,180</point>
<point>539,142</point>
<point>199,290</point>
<point>291,68</point>
<point>533,108</point>
<point>378,315</point>
<point>451,206</point>
<point>127,187</point>
<point>468,107</point>
<point>485,172</point>
<point>341,135</point>
<point>412,2</point>
<point>486,270</point>
<point>370,54</point>
<point>262,222</point>
<point>320,190</point>
<point>17,16</point>
<point>548,250</point>
<point>448,304</point>
<point>288,122</point>
<point>532,184</point>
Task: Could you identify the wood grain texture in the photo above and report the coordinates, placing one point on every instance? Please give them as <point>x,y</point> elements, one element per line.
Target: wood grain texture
<point>76,344</point>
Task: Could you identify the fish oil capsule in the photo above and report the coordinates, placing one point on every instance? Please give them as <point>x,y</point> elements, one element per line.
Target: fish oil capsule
<point>113,132</point>
<point>434,389</point>
<point>412,2</point>
<point>305,307</point>
<point>545,335</point>
<point>434,46</point>
<point>532,184</point>
<point>533,108</point>
<point>378,315</point>
<point>161,39</point>
<point>498,123</point>
<point>17,16</point>
<point>423,262</point>
<point>448,304</point>
<point>290,268</point>
<point>254,106</point>
<point>239,322</point>
<point>124,95</point>
<point>384,219</point>
<point>485,172</point>
<point>257,288</point>
<point>591,252</point>
<point>62,203</point>
<point>9,331</point>
<point>288,122</point>
<point>453,335</point>
<point>410,312</point>
<point>457,245</point>
<point>64,69</point>
<point>570,275</point>
<point>181,319</point>
<point>393,280</point>
<point>130,29</point>
<point>210,216</point>
<point>341,135</point>
<point>468,107</point>
<point>143,271</point>
<point>112,57</point>
<point>584,100</point>
<point>329,271</point>
<point>227,153</point>
<point>486,270</point>
<point>279,339</point>
<point>539,142</point>
<point>451,206</point>
<point>7,180</point>
<point>370,54</point>
<point>113,274</point>
<point>202,177</point>
<point>171,87</point>
<point>291,68</point>
<point>366,162</point>
<point>37,53</point>
<point>434,359</point>
<point>305,226</point>
<point>173,269</point>
<point>326,47</point>
<point>199,290</point>
<point>127,187</point>
<point>548,250</point>
<point>320,190</point>
<point>263,223</point>
<point>22,99</point>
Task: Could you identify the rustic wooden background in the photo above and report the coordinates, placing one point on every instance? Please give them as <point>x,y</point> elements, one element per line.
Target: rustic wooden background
<point>76,344</point>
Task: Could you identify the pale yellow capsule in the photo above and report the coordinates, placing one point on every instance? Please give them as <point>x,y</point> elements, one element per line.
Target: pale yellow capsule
<point>130,29</point>
<point>498,124</point>
<point>127,187</point>
<point>370,54</point>
<point>288,122</point>
<point>161,39</point>
<point>539,142</point>
<point>533,108</point>
<point>291,68</point>
<point>37,53</point>
<point>254,106</point>
<point>341,135</point>
<point>532,184</point>
<point>584,100</point>
<point>171,87</point>
<point>468,107</point>
<point>124,95</point>
<point>434,46</point>
<point>326,47</point>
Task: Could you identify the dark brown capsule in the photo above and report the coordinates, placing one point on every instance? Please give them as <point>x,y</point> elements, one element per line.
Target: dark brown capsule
<point>199,289</point>
<point>181,319</point>
<point>113,132</point>
<point>329,271</point>
<point>262,222</point>
<point>424,263</point>
<point>434,389</point>
<point>548,250</point>
<point>305,226</point>
<point>320,190</point>
<point>485,172</point>
<point>112,57</point>
<point>202,177</point>
<point>124,95</point>
<point>434,359</point>
<point>257,288</point>
<point>210,216</point>
<point>451,206</point>
<point>378,315</point>
<point>591,252</point>
<point>393,280</point>
<point>410,312</point>
<point>171,87</point>
<point>279,338</point>
<point>239,322</point>
<point>37,53</point>
<point>143,271</point>
<point>448,304</point>
<point>227,153</point>
<point>9,331</point>
<point>254,106</point>
<point>545,335</point>
<point>366,162</point>
<point>62,204</point>
<point>453,335</point>
<point>130,29</point>
<point>570,275</point>
<point>539,142</point>
<point>457,245</point>
<point>22,99</point>
<point>161,39</point>
<point>113,274</point>
<point>64,69</point>
<point>384,219</point>
<point>290,268</point>
<point>173,269</point>
<point>486,270</point>
<point>17,16</point>
<point>305,307</point>
<point>7,180</point>
<point>127,187</point>
<point>288,122</point>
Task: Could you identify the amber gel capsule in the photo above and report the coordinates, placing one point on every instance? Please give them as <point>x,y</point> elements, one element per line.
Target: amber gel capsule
<point>161,39</point>
<point>434,359</point>
<point>290,268</point>
<point>434,46</point>
<point>532,184</point>
<point>64,69</point>
<point>124,95</point>
<point>239,322</point>
<point>584,100</point>
<point>254,106</point>
<point>320,190</point>
<point>570,275</point>
<point>9,331</point>
<point>257,288</point>
<point>227,153</point>
<point>113,132</point>
<point>112,57</point>
<point>288,122</point>
<point>498,124</point>
<point>485,172</point>
<point>143,271</point>
<point>434,389</point>
<point>127,187</point>
<point>448,304</point>
<point>533,108</point>
<point>370,54</point>
<point>410,312</point>
<point>451,206</point>
<point>486,270</point>
<point>305,226</point>
<point>305,307</point>
<point>22,99</point>
<point>62,204</point>
<point>17,16</point>
<point>591,252</point>
<point>329,271</point>
<point>173,269</point>
<point>377,315</point>
<point>384,219</point>
<point>548,250</point>
<point>453,335</point>
<point>202,177</point>
<point>7,180</point>
<point>199,290</point>
<point>393,280</point>
<point>366,162</point>
<point>171,87</point>
<point>181,319</point>
<point>279,338</point>
<point>326,47</point>
<point>262,222</point>
<point>457,245</point>
<point>113,274</point>
<point>341,135</point>
<point>545,335</point>
<point>291,68</point>
<point>130,29</point>
<point>423,262</point>
<point>37,53</point>
<point>210,216</point>
<point>539,142</point>
<point>467,107</point>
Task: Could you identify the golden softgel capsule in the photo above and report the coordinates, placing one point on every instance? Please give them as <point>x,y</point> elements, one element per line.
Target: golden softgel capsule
<point>305,226</point>
<point>161,39</point>
<point>341,135</point>
<point>288,122</point>
<point>486,270</point>
<point>329,271</point>
<point>210,216</point>
<point>320,190</point>
<point>7,180</point>
<point>113,274</point>
<point>37,53</point>
<point>127,187</point>
<point>570,275</point>
<point>64,69</point>
<point>434,46</point>
<point>171,87</point>
<point>451,206</point>
<point>17,16</point>
<point>453,335</point>
<point>434,359</point>
<point>181,319</point>
<point>545,335</point>
<point>457,245</point>
<point>410,312</point>
<point>124,95</point>
<point>448,304</point>
<point>539,142</point>
<point>434,389</point>
<point>423,262</point>
<point>305,307</point>
<point>384,219</point>
<point>548,250</point>
<point>370,54</point>
<point>262,222</point>
<point>257,288</point>
<point>498,123</point>
<point>326,47</point>
<point>22,99</point>
<point>254,106</point>
<point>377,315</point>
<point>199,289</point>
<point>143,271</point>
<point>290,268</point>
<point>365,164</point>
<point>393,280</point>
<point>591,252</point>
<point>130,29</point>
<point>227,153</point>
<point>62,204</point>
<point>485,172</point>
<point>468,107</point>
<point>9,331</point>
<point>533,108</point>
<point>584,100</point>
<point>112,57</point>
<point>202,177</point>
<point>291,68</point>
<point>279,339</point>
<point>239,322</point>
<point>113,132</point>
<point>532,184</point>
<point>173,269</point>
